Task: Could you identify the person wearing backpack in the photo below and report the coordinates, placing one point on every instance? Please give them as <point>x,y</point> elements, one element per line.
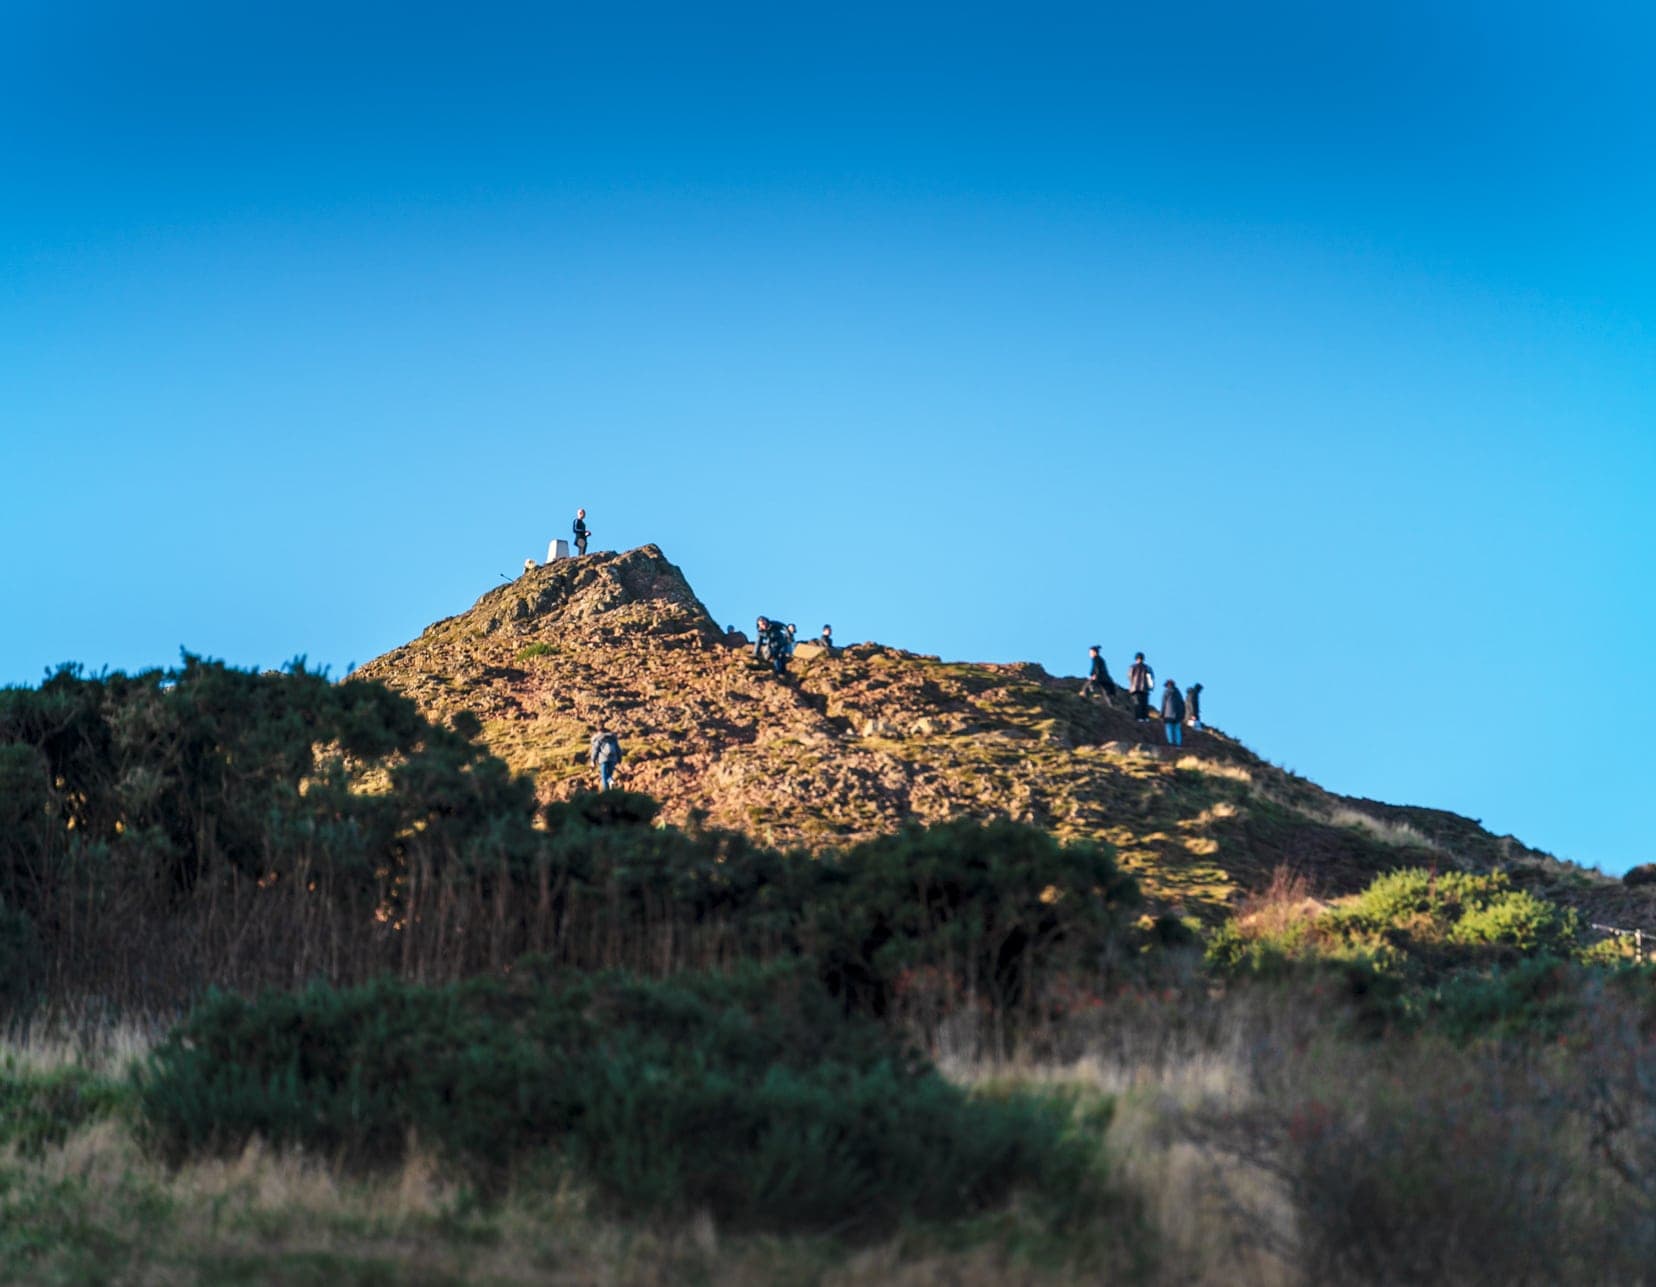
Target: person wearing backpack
<point>779,647</point>
<point>605,755</point>
<point>1172,713</point>
<point>1098,679</point>
<point>772,643</point>
<point>1140,680</point>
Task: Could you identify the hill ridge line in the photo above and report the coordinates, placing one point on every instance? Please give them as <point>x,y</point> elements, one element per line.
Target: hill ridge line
<point>855,744</point>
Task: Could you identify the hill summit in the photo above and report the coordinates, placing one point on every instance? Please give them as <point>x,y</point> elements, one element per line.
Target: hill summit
<point>854,744</point>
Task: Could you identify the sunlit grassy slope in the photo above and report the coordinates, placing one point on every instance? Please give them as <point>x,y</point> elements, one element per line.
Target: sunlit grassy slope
<point>854,744</point>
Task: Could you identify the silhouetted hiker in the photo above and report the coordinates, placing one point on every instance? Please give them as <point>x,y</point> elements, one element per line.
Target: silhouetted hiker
<point>1193,705</point>
<point>771,643</point>
<point>792,631</point>
<point>1098,680</point>
<point>1172,713</point>
<point>826,639</point>
<point>1140,680</point>
<point>581,532</point>
<point>605,755</point>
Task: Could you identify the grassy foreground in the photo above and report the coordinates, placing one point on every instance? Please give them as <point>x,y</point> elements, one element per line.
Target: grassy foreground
<point>84,1198</point>
<point>96,1210</point>
<point>1257,1138</point>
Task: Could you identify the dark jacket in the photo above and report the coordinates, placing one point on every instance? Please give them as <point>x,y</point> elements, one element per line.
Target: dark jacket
<point>580,529</point>
<point>770,640</point>
<point>1140,678</point>
<point>1173,709</point>
<point>1193,700</point>
<point>1101,675</point>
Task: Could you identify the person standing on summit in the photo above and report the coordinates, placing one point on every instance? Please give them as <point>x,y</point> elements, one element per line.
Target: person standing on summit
<point>1173,713</point>
<point>581,532</point>
<point>1140,680</point>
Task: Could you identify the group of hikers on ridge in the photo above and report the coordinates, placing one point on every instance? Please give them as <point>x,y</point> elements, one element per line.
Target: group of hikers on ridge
<point>1176,710</point>
<point>773,642</point>
<point>773,647</point>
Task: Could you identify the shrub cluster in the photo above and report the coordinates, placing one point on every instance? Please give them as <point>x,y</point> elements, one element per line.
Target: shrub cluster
<point>209,823</point>
<point>750,1096</point>
<point>995,919</point>
<point>1506,1138</point>
<point>1416,925</point>
<point>1453,918</point>
<point>167,831</point>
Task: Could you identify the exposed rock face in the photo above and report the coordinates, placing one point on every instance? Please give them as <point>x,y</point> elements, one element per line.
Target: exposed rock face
<point>853,745</point>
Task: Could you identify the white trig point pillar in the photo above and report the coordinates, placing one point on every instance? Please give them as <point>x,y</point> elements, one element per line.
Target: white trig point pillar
<point>557,550</point>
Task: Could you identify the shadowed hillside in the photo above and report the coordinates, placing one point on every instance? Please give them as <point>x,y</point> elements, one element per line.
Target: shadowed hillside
<point>852,745</point>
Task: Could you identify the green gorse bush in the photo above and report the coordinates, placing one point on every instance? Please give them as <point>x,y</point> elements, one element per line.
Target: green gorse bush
<point>753,1097</point>
<point>1421,926</point>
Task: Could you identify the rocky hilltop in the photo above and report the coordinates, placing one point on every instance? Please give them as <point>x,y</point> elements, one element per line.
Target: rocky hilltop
<point>854,744</point>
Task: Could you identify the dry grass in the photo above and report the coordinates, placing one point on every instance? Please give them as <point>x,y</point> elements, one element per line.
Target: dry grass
<point>1192,1202</point>
<point>273,1217</point>
<point>1399,835</point>
<point>1285,902</point>
<point>1202,1211</point>
<point>85,1038</point>
<point>1215,768</point>
<point>1246,1133</point>
<point>1264,1146</point>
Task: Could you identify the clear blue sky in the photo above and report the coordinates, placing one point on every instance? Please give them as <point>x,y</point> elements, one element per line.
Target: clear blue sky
<point>1307,347</point>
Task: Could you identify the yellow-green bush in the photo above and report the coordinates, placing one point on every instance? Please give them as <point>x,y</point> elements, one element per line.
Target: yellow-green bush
<point>1412,923</point>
